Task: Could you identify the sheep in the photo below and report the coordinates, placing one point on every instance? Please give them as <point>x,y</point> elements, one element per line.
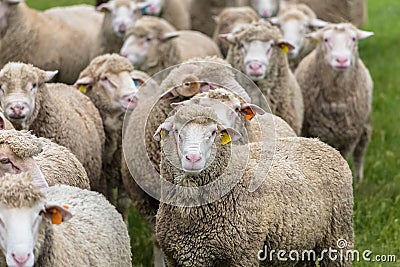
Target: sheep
<point>257,50</point>
<point>209,217</point>
<point>59,226</point>
<point>234,113</point>
<point>152,45</point>
<point>266,8</point>
<point>202,13</point>
<point>55,111</point>
<point>119,16</point>
<point>175,12</point>
<point>295,21</point>
<point>140,151</point>
<point>34,37</point>
<point>48,162</point>
<point>337,89</point>
<point>108,83</point>
<point>354,11</point>
<point>228,20</point>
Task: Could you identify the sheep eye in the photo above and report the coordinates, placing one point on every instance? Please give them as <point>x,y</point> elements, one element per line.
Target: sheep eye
<point>353,39</point>
<point>326,40</point>
<point>104,78</point>
<point>4,161</point>
<point>148,39</point>
<point>241,45</point>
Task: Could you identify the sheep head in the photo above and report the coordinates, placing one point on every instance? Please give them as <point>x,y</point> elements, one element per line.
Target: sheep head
<point>266,8</point>
<point>196,130</point>
<point>19,87</point>
<point>22,210</point>
<point>258,47</point>
<point>338,43</point>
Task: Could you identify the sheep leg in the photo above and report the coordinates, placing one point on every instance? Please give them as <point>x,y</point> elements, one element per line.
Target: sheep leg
<point>123,202</point>
<point>158,255</point>
<point>359,154</point>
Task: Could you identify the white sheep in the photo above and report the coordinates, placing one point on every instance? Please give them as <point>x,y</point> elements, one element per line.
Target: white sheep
<point>265,8</point>
<point>119,16</point>
<point>228,20</point>
<point>108,82</point>
<point>31,36</point>
<point>59,226</point>
<point>152,45</point>
<point>258,50</point>
<point>337,89</point>
<point>208,215</point>
<point>176,12</point>
<point>55,111</point>
<point>295,21</point>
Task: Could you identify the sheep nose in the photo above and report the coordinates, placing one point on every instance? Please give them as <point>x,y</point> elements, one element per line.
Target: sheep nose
<point>254,66</point>
<point>265,13</point>
<point>193,158</point>
<point>17,109</point>
<point>342,60</point>
<point>21,258</point>
<point>122,28</point>
<point>129,101</point>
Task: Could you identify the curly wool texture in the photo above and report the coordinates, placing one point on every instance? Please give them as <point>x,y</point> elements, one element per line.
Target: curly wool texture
<point>100,237</point>
<point>305,202</point>
<point>228,19</point>
<point>337,103</point>
<point>18,191</point>
<point>65,116</point>
<point>279,86</point>
<point>187,45</point>
<point>22,143</point>
<point>28,38</point>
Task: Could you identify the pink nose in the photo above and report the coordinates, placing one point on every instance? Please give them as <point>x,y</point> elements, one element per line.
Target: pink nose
<point>20,258</point>
<point>265,13</point>
<point>256,67</point>
<point>193,158</point>
<point>130,101</point>
<point>342,60</point>
<point>17,109</point>
<point>122,28</point>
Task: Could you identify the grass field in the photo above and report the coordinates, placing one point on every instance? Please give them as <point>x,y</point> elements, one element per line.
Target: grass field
<point>377,199</point>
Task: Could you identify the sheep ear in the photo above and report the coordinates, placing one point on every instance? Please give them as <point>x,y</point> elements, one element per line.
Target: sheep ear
<point>317,24</point>
<point>57,214</point>
<point>250,110</point>
<point>104,7</point>
<point>363,34</point>
<point>169,94</point>
<point>141,6</point>
<point>285,46</point>
<point>227,37</point>
<point>274,21</point>
<point>316,36</point>
<point>180,104</point>
<point>162,131</point>
<point>170,35</point>
<point>84,84</point>
<point>49,75</point>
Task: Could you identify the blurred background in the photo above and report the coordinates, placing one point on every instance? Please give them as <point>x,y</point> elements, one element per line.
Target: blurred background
<point>377,198</point>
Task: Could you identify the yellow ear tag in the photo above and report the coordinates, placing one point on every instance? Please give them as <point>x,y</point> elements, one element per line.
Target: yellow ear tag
<point>82,88</point>
<point>56,217</point>
<point>285,49</point>
<point>163,134</point>
<point>226,138</point>
<point>314,41</point>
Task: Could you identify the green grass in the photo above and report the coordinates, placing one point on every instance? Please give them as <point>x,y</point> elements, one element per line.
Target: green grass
<point>377,199</point>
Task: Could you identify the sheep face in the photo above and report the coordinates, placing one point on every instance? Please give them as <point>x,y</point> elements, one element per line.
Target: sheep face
<point>22,210</point>
<point>19,86</point>
<point>115,92</point>
<point>294,25</point>
<point>339,44</point>
<point>266,8</point>
<point>11,163</point>
<point>123,14</point>
<point>155,7</point>
<point>195,139</point>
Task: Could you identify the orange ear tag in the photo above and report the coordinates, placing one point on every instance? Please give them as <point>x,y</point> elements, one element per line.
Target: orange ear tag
<point>249,114</point>
<point>226,138</point>
<point>56,217</point>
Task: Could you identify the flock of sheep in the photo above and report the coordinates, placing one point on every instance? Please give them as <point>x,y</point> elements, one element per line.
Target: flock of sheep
<point>246,161</point>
